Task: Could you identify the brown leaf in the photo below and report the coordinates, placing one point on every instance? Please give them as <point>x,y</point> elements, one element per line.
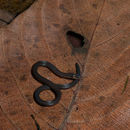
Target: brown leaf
<point>40,34</point>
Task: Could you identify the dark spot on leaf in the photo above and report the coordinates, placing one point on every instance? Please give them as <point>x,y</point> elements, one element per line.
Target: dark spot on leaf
<point>36,39</point>
<point>77,108</point>
<point>7,70</point>
<point>21,57</point>
<point>96,54</point>
<point>12,113</point>
<point>35,45</point>
<point>85,87</point>
<point>94,5</point>
<point>29,98</point>
<point>7,41</point>
<point>101,98</point>
<point>65,55</point>
<point>23,77</point>
<point>64,9</point>
<point>56,25</point>
<point>6,92</point>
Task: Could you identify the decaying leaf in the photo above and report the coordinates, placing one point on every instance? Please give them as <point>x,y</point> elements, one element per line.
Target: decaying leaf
<point>40,34</point>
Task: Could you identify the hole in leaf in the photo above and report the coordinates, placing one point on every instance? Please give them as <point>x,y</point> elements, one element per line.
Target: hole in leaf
<point>75,39</point>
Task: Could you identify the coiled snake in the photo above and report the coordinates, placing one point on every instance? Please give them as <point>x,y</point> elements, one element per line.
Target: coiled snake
<point>49,85</point>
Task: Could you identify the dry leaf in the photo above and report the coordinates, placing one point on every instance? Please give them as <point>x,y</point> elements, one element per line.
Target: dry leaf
<point>40,34</point>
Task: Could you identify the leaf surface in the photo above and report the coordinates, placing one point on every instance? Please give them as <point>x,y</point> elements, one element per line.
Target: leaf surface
<point>40,34</point>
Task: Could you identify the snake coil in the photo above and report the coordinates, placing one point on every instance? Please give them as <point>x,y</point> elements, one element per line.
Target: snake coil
<point>49,85</point>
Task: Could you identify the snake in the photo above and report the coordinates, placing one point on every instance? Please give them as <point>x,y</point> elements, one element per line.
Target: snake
<point>49,85</point>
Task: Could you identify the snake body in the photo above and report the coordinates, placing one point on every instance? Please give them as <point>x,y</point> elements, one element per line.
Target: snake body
<point>49,85</point>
